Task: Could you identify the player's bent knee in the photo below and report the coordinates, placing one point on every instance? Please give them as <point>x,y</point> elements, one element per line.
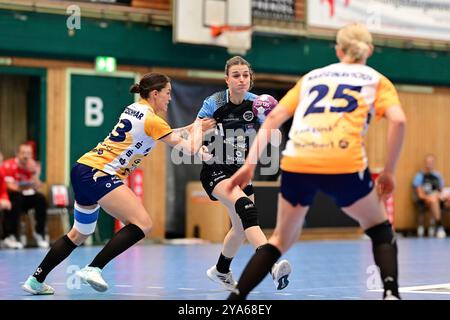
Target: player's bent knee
<point>246,210</point>
<point>85,220</point>
<point>76,237</point>
<point>146,226</point>
<point>382,233</point>
<point>237,234</point>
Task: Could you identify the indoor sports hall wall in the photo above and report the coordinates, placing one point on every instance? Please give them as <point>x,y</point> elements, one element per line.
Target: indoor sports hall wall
<point>427,131</point>
<point>38,42</point>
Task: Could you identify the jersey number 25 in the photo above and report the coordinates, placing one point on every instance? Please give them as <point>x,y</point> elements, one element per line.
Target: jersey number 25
<point>322,91</point>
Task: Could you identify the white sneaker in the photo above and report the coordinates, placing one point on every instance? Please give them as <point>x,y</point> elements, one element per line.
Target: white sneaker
<point>441,234</point>
<point>40,241</point>
<point>431,231</point>
<point>12,243</point>
<point>420,231</point>
<point>35,287</point>
<point>225,279</point>
<point>23,240</point>
<point>390,296</point>
<point>280,273</point>
<point>93,277</point>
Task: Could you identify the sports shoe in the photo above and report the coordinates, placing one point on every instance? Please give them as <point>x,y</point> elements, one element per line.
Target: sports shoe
<point>441,234</point>
<point>420,231</point>
<point>390,296</point>
<point>40,241</point>
<point>226,279</point>
<point>431,231</point>
<point>35,287</point>
<point>280,273</point>
<point>93,277</point>
<point>12,243</point>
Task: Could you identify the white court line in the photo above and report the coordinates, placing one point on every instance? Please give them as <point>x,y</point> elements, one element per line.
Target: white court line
<point>150,287</point>
<point>136,294</point>
<point>427,287</point>
<point>283,294</point>
<point>421,289</point>
<point>123,285</point>
<point>188,289</point>
<point>315,295</point>
<point>429,292</point>
<point>351,298</point>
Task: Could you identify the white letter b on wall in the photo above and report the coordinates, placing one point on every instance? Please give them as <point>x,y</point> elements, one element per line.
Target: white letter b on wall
<point>93,114</point>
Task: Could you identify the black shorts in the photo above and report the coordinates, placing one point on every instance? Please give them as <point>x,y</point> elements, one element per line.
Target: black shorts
<point>211,175</point>
<point>345,189</point>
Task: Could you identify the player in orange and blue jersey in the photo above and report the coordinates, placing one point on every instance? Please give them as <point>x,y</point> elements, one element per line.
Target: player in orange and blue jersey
<point>331,109</point>
<point>97,182</point>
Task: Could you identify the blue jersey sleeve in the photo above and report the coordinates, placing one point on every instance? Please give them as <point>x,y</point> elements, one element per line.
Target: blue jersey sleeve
<point>208,108</point>
<point>418,180</point>
<point>441,180</point>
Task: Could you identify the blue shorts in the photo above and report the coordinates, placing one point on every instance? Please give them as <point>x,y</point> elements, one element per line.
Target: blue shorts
<point>345,189</point>
<point>90,184</point>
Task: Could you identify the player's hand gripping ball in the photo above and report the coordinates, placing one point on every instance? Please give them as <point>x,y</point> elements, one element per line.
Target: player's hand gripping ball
<point>262,106</point>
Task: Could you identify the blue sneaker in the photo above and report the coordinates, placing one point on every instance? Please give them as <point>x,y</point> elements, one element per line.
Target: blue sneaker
<point>35,287</point>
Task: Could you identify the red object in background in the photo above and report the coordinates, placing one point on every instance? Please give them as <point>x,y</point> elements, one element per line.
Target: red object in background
<point>388,202</point>
<point>60,198</point>
<point>33,145</point>
<point>136,183</point>
<point>332,4</point>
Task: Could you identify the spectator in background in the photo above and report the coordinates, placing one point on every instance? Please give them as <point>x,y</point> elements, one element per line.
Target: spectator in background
<point>21,175</point>
<point>5,204</point>
<point>428,188</point>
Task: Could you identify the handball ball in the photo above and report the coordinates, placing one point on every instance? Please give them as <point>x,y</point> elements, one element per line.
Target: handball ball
<point>263,104</point>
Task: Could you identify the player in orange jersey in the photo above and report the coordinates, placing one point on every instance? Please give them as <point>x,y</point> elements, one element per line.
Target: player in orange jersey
<point>331,109</point>
<point>97,182</point>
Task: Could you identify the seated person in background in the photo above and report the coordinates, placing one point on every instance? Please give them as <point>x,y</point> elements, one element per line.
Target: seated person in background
<point>5,204</point>
<point>428,185</point>
<point>22,179</point>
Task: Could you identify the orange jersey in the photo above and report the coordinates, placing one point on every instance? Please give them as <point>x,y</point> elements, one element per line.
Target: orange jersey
<point>332,108</point>
<point>132,139</point>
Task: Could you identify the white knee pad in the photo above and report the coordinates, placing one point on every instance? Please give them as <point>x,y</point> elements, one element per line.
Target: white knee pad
<point>85,220</point>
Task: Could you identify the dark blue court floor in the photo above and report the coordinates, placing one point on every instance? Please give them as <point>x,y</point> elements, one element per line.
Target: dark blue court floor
<point>322,270</point>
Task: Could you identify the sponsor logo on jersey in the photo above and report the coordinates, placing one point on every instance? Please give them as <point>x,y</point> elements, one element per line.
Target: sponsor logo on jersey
<point>248,115</point>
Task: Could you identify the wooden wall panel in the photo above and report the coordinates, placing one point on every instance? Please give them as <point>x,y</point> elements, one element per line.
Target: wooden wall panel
<point>300,10</point>
<point>428,131</point>
<point>13,113</point>
<point>152,4</point>
<point>56,124</point>
<point>154,167</point>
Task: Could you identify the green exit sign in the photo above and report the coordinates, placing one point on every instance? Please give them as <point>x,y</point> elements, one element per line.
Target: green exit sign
<point>105,64</point>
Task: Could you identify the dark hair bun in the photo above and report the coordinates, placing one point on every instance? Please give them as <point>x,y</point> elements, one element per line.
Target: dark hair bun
<point>135,88</point>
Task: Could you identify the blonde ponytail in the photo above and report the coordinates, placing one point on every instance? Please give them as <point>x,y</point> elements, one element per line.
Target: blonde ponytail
<point>355,41</point>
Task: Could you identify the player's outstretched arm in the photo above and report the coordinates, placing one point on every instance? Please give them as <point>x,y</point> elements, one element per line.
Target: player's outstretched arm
<point>190,143</point>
